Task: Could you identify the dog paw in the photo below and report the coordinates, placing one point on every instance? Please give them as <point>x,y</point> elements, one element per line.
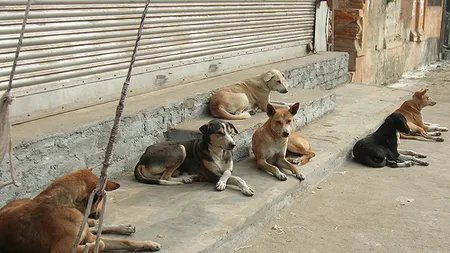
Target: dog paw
<point>420,155</point>
<point>409,163</point>
<point>439,139</point>
<point>436,134</point>
<point>252,112</point>
<point>295,161</point>
<point>148,245</point>
<point>300,176</point>
<point>187,180</point>
<point>128,229</point>
<point>220,186</point>
<point>281,176</point>
<point>248,191</point>
<point>443,129</point>
<point>423,163</point>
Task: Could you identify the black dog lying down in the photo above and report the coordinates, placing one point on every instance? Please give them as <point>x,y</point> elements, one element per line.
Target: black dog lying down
<point>381,148</point>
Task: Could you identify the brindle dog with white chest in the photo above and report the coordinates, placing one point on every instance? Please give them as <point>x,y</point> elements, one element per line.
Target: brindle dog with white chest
<point>207,159</point>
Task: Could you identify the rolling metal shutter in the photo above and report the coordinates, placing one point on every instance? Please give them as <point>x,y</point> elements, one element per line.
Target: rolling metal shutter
<point>70,43</point>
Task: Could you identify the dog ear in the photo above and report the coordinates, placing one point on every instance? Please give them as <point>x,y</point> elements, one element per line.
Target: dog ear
<point>268,76</point>
<point>423,91</point>
<point>233,127</point>
<point>270,110</point>
<point>204,129</point>
<point>293,109</point>
<point>111,186</point>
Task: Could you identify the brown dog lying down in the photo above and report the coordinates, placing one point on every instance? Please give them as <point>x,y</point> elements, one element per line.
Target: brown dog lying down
<point>411,109</point>
<point>49,223</point>
<point>243,99</point>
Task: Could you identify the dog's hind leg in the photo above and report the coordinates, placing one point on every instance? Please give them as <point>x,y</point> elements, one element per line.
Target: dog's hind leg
<point>239,182</point>
<point>412,153</point>
<point>130,245</point>
<point>263,164</point>
<point>412,159</point>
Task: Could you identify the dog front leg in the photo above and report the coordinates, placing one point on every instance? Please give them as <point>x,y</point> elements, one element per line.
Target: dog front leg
<point>222,183</point>
<point>412,153</point>
<point>239,182</point>
<point>434,127</point>
<point>283,163</point>
<point>121,229</point>
<point>272,169</point>
<point>410,158</point>
<point>130,245</point>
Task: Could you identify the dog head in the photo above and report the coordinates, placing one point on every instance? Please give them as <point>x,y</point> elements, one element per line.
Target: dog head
<point>423,98</point>
<point>275,80</point>
<point>397,121</point>
<point>218,133</point>
<point>281,120</point>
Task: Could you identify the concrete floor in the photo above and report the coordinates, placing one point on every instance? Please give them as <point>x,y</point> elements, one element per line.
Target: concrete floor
<point>374,210</point>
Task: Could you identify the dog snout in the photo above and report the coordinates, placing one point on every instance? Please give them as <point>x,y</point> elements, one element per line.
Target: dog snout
<point>232,145</point>
<point>284,91</point>
<point>285,134</point>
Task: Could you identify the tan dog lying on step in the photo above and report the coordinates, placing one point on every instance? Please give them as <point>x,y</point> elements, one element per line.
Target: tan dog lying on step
<point>411,109</point>
<point>245,98</point>
<point>270,142</point>
<point>49,223</point>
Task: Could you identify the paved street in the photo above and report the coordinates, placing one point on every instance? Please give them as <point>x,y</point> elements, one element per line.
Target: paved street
<point>375,210</point>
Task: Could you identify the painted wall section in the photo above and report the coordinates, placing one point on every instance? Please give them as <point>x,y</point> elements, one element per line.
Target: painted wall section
<point>386,38</point>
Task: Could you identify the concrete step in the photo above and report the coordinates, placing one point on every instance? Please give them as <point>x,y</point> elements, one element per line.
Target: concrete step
<point>313,104</point>
<point>196,218</point>
<point>50,147</point>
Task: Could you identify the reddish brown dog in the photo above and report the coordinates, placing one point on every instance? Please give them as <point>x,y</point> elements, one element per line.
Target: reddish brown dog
<point>412,110</point>
<point>49,223</point>
<point>271,142</point>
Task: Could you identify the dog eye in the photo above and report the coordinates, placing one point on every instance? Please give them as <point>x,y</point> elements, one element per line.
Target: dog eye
<point>289,121</point>
<point>278,81</point>
<point>278,122</point>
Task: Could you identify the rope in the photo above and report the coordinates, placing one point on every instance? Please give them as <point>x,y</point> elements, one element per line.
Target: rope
<point>9,99</point>
<point>100,189</point>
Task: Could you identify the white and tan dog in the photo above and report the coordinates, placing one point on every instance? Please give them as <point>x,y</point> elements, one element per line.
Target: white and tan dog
<point>270,142</point>
<point>242,99</point>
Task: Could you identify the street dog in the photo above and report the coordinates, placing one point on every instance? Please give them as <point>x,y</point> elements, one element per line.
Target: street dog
<point>49,223</point>
<point>209,158</point>
<point>243,99</point>
<point>270,142</point>
<point>381,147</point>
<point>412,110</point>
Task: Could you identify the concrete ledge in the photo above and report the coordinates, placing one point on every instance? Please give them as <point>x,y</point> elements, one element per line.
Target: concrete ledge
<point>313,104</point>
<point>50,147</point>
<point>196,218</point>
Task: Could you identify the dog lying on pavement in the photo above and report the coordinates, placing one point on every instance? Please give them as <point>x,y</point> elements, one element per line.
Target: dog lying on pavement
<point>209,158</point>
<point>411,109</point>
<point>270,142</point>
<point>50,222</point>
<point>243,99</point>
<point>381,147</point>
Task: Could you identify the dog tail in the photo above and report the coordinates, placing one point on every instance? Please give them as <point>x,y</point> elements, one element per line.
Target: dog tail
<point>147,180</point>
<point>221,112</point>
